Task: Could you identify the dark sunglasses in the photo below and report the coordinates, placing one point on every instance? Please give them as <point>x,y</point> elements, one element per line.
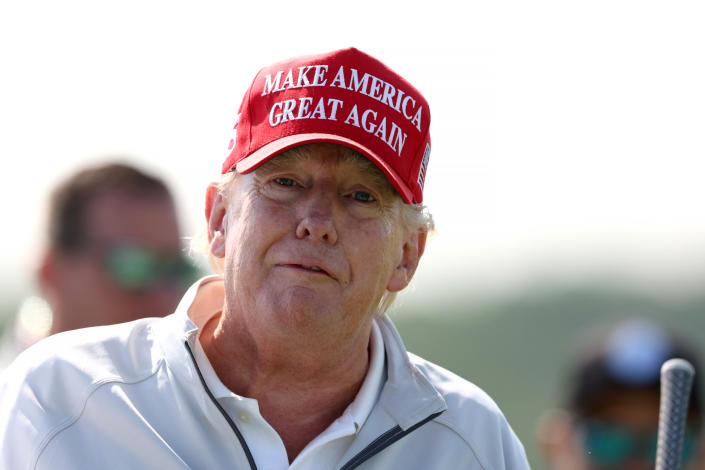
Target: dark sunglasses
<point>608,445</point>
<point>136,268</point>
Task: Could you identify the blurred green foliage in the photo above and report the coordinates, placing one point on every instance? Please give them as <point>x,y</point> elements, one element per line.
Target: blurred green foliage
<point>516,348</point>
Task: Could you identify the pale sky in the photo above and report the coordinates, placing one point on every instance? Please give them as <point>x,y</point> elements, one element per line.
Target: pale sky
<point>568,137</point>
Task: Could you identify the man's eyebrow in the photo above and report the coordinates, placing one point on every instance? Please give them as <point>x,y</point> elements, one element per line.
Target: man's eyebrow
<point>284,159</point>
<point>368,168</point>
<point>379,184</point>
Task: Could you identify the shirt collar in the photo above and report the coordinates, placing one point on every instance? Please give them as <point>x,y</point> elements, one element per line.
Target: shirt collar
<point>358,410</point>
<point>406,394</point>
<point>368,394</point>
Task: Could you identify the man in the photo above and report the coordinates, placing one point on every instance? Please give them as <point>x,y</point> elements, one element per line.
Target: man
<point>286,360</point>
<point>113,254</point>
<point>612,402</point>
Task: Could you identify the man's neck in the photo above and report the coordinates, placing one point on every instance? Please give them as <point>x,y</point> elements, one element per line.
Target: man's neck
<point>300,391</point>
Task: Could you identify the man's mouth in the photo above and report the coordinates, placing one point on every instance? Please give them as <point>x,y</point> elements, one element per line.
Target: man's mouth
<point>308,268</point>
<point>312,268</point>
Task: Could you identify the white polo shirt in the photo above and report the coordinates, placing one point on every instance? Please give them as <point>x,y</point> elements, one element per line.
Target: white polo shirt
<point>326,450</point>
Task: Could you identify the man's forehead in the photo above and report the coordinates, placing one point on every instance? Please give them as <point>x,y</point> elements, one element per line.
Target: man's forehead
<point>330,154</point>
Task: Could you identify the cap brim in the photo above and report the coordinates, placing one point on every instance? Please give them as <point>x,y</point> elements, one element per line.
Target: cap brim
<point>273,149</point>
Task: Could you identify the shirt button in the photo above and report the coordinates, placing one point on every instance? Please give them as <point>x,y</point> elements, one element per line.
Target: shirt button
<point>244,417</point>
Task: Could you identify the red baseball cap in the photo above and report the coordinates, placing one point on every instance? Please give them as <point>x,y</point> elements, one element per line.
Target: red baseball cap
<point>344,97</point>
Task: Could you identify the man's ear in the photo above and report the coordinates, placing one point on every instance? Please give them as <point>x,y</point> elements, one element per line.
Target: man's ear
<point>216,217</point>
<point>412,250</point>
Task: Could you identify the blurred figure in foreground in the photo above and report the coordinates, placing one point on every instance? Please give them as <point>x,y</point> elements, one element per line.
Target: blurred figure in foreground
<point>113,254</point>
<point>610,420</point>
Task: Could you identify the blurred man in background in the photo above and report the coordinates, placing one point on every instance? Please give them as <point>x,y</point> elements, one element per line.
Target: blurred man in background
<point>610,419</point>
<point>113,254</point>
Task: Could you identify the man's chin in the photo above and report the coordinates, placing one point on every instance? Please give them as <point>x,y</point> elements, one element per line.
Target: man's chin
<point>304,306</point>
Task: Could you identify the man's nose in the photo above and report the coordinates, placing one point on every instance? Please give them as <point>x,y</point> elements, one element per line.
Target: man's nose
<point>317,218</point>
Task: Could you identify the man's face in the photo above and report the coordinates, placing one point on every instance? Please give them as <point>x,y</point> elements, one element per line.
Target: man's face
<point>620,434</point>
<point>105,280</point>
<point>312,243</point>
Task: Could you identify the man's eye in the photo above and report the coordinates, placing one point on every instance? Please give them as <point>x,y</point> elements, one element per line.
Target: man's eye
<point>362,196</point>
<point>285,181</point>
